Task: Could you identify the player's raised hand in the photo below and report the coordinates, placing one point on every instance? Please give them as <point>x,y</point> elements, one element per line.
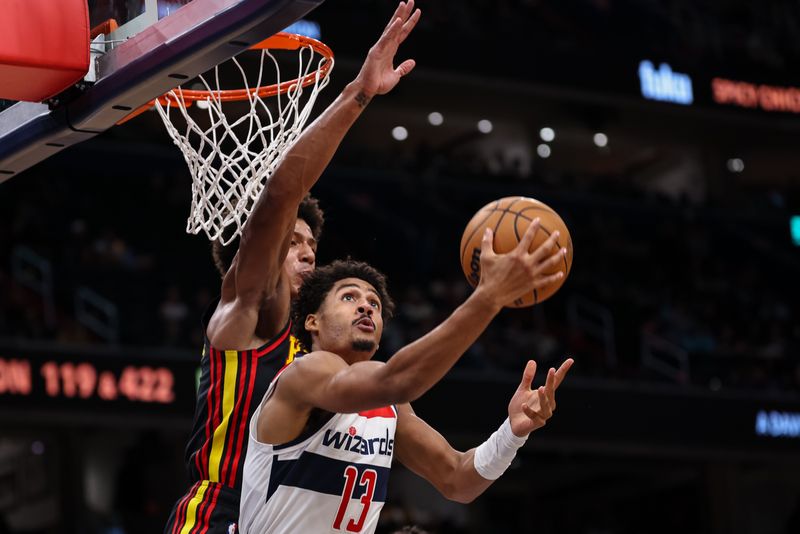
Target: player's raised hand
<point>507,277</point>
<point>530,409</point>
<point>378,75</point>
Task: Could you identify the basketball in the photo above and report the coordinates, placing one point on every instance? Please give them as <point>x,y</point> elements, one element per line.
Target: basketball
<point>509,218</point>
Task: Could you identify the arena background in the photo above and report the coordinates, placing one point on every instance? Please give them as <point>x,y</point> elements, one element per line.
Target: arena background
<point>663,131</point>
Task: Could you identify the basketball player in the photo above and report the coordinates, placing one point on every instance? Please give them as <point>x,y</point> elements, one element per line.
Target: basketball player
<point>248,333</point>
<point>323,438</point>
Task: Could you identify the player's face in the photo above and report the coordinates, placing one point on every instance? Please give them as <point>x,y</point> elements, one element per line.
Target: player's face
<point>302,256</point>
<point>349,322</point>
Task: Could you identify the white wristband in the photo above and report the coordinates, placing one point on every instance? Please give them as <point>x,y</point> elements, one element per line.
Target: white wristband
<point>493,456</point>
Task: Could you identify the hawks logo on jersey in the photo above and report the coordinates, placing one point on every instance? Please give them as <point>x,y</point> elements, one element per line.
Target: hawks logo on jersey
<point>295,348</point>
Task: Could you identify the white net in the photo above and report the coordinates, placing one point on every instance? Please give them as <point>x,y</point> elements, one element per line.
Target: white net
<point>232,157</point>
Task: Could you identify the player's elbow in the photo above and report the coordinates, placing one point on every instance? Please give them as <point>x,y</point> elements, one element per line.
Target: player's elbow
<point>464,498</point>
<point>452,492</point>
<point>451,480</point>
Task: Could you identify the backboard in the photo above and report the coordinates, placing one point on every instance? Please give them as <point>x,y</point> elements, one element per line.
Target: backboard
<point>157,45</point>
<point>132,16</point>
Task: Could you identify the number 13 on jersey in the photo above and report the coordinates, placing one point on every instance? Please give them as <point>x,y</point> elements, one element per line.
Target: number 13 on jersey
<point>367,481</point>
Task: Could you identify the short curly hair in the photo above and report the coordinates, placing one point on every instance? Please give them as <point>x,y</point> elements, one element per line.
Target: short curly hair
<point>308,210</point>
<point>319,283</point>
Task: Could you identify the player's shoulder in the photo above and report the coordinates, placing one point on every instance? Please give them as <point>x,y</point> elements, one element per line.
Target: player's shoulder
<point>312,368</point>
<point>317,362</point>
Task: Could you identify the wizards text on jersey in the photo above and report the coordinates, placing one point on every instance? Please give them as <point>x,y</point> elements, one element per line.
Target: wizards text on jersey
<point>352,442</point>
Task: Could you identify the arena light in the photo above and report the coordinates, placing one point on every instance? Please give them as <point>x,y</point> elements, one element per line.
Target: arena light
<point>600,140</point>
<point>435,118</point>
<point>485,126</point>
<point>543,150</point>
<point>399,133</point>
<point>794,228</point>
<point>735,165</point>
<point>547,134</point>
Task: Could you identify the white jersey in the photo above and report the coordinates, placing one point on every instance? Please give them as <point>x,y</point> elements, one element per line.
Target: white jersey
<point>333,481</point>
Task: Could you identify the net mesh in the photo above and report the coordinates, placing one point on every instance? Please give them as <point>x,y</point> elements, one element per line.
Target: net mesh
<point>233,154</point>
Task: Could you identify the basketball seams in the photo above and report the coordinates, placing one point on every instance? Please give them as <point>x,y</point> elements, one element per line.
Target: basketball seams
<point>543,229</point>
<point>519,214</point>
<point>477,227</point>
<point>537,208</point>
<point>506,211</point>
<point>502,207</point>
<point>493,210</point>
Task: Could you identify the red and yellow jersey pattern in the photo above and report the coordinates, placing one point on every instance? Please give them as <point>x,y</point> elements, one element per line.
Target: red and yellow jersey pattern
<point>232,384</point>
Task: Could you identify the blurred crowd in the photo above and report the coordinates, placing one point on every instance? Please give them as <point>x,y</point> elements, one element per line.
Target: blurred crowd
<point>754,39</point>
<point>660,290</point>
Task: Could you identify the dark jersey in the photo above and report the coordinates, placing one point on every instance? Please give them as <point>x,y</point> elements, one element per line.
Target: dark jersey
<point>232,383</point>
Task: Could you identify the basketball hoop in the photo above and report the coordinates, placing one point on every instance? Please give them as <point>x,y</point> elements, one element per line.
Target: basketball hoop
<point>232,158</point>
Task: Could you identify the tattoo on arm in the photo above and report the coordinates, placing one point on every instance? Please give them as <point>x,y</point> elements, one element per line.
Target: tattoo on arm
<point>362,99</point>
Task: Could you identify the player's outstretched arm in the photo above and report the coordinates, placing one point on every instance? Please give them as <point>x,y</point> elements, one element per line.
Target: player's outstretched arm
<point>323,380</point>
<point>463,476</point>
<point>416,367</point>
<point>266,236</point>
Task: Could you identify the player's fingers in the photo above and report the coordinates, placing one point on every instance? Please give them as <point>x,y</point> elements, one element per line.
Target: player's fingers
<point>550,389</point>
<point>527,238</point>
<point>533,415</point>
<point>399,13</point>
<point>544,281</point>
<point>389,37</point>
<point>487,243</point>
<point>409,25</point>
<point>550,384</point>
<point>408,9</point>
<point>545,248</point>
<point>545,409</point>
<point>527,376</point>
<point>405,67</point>
<point>402,14</point>
<point>562,371</point>
<point>555,259</point>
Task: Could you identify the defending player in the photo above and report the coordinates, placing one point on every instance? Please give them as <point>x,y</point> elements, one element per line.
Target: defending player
<point>323,438</point>
<point>248,335</point>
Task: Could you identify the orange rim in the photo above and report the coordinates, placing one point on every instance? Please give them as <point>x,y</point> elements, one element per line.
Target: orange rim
<point>106,27</point>
<point>279,41</point>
